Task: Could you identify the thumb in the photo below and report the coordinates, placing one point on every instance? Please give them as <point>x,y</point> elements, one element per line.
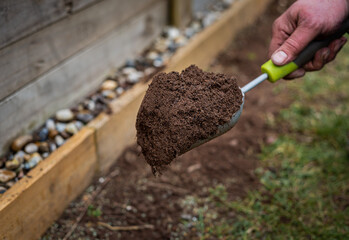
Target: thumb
<point>289,50</point>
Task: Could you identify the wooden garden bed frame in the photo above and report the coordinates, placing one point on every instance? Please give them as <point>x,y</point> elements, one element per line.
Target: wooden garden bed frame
<point>36,201</point>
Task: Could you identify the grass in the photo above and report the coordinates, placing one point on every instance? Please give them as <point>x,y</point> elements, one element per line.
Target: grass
<point>304,174</point>
<point>93,211</point>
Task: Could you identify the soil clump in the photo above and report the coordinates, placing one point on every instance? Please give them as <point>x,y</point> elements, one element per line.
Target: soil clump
<point>180,109</point>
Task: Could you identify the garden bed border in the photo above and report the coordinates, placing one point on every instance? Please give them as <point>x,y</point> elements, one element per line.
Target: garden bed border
<point>36,201</point>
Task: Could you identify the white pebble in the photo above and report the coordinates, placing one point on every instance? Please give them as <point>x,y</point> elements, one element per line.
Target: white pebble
<point>128,70</point>
<point>152,55</point>
<point>31,148</point>
<point>71,128</point>
<point>119,90</point>
<point>50,124</point>
<point>109,85</point>
<point>91,105</point>
<point>135,77</point>
<point>59,140</point>
<point>79,124</point>
<point>172,32</point>
<point>64,115</point>
<point>60,127</point>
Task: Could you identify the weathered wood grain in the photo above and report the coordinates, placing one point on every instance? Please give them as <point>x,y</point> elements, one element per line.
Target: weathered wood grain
<point>19,18</point>
<point>27,59</point>
<point>77,76</point>
<point>36,201</point>
<point>115,132</point>
<point>80,4</point>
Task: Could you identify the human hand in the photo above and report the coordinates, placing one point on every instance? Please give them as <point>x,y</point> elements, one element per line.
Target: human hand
<point>304,21</point>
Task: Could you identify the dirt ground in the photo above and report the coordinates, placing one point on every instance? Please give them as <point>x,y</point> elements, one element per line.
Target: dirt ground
<point>131,195</point>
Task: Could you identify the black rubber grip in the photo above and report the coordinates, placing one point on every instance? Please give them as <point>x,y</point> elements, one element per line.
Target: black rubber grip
<point>308,53</point>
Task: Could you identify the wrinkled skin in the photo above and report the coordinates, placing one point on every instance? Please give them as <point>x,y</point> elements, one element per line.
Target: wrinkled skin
<point>303,22</point>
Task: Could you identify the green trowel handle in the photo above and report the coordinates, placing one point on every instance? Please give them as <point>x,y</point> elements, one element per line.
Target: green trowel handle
<point>277,72</point>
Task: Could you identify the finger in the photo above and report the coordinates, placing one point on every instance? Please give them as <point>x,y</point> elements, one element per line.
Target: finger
<point>280,32</point>
<point>335,47</point>
<point>325,55</point>
<point>300,72</point>
<point>288,51</point>
<point>319,60</point>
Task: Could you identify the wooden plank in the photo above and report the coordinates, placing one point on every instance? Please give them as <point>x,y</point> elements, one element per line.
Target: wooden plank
<point>76,77</point>
<point>115,132</point>
<point>80,4</point>
<point>20,18</point>
<point>36,201</point>
<point>181,12</point>
<point>29,58</point>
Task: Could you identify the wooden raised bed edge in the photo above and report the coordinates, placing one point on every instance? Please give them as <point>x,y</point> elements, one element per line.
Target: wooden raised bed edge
<point>32,204</point>
<point>37,200</point>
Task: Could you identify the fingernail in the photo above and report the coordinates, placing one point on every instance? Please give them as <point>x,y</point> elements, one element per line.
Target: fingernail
<point>343,41</point>
<point>279,57</point>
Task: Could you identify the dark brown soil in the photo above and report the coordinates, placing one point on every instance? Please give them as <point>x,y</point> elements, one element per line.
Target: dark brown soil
<point>136,197</point>
<point>179,110</point>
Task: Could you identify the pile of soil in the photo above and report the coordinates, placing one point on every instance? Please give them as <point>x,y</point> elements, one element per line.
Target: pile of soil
<point>180,109</point>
